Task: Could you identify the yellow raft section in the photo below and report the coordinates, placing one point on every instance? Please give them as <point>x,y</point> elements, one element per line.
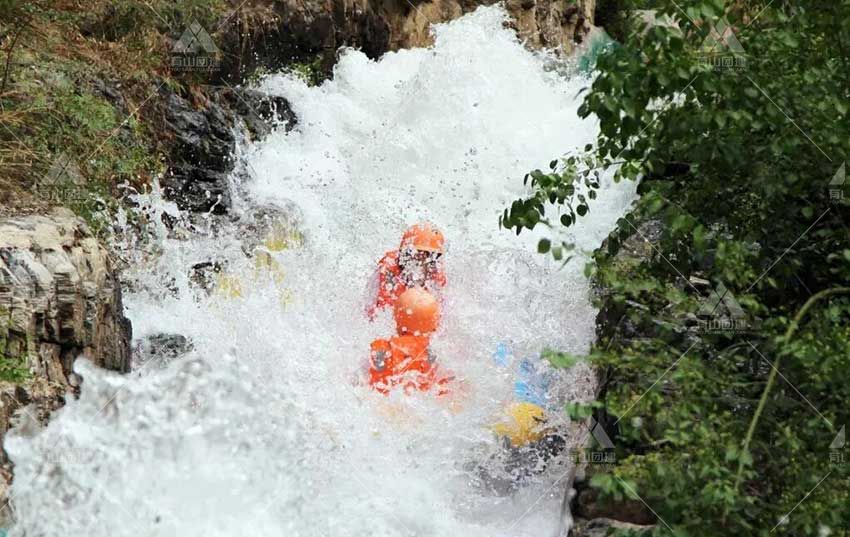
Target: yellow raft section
<point>282,236</point>
<point>523,423</point>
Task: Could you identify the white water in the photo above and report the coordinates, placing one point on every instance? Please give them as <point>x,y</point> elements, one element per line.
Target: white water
<point>259,430</point>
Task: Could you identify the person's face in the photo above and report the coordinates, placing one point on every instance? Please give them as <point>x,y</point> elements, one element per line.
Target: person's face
<point>421,259</point>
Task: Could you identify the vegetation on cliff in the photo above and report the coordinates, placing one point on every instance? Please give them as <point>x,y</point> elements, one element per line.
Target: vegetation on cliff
<point>76,79</point>
<point>86,88</point>
<point>725,346</point>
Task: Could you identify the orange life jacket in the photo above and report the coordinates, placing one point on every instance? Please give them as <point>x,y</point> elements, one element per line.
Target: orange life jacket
<point>406,361</point>
<point>390,284</point>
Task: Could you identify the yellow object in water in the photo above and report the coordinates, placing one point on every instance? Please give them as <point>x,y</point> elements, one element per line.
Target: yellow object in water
<point>523,424</point>
<point>282,237</point>
<point>264,263</point>
<point>231,286</point>
<point>228,285</point>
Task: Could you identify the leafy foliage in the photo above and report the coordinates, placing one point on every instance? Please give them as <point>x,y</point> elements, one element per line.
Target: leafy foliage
<point>725,420</point>
<point>311,71</point>
<point>570,184</point>
<point>76,81</point>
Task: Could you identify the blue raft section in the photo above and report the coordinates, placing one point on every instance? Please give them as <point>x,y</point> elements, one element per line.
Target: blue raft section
<point>598,43</point>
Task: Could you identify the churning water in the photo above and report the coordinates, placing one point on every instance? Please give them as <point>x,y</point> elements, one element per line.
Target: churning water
<point>262,429</point>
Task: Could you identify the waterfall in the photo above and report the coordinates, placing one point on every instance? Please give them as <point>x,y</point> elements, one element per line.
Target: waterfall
<point>261,429</point>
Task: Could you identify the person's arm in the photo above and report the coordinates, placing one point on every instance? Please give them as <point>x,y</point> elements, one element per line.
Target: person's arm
<point>383,285</point>
<point>372,296</point>
<point>440,276</point>
<point>373,291</point>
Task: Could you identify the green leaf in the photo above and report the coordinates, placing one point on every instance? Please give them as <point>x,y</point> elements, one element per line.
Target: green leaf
<point>580,411</point>
<point>559,359</point>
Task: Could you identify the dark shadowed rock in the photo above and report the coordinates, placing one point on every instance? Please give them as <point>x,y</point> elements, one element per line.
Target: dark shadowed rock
<point>613,318</point>
<point>588,505</point>
<point>201,140</point>
<point>602,527</point>
<point>204,275</point>
<point>260,112</point>
<point>202,145</point>
<point>160,349</point>
<point>299,31</point>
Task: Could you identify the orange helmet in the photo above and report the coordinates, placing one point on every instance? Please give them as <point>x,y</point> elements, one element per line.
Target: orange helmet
<point>416,312</point>
<point>423,237</point>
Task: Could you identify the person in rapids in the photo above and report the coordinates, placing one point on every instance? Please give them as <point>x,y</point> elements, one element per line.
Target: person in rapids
<point>416,264</point>
<point>405,360</point>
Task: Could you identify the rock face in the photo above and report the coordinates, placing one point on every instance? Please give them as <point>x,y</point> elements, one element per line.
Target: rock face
<point>587,505</point>
<point>201,155</point>
<point>202,141</point>
<point>59,299</point>
<point>303,29</point>
<point>552,24</point>
<point>594,516</point>
<point>541,23</point>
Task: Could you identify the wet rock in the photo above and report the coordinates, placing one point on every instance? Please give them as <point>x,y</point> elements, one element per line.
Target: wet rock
<point>601,527</point>
<point>201,137</point>
<point>271,229</point>
<point>202,144</point>
<point>260,112</point>
<point>59,297</point>
<point>160,349</point>
<point>197,189</point>
<point>588,505</point>
<point>204,275</point>
<point>200,127</point>
<point>59,300</point>
<point>32,403</point>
